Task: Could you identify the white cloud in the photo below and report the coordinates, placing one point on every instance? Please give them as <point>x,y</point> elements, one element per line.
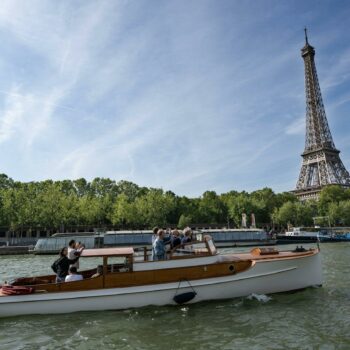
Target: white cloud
<point>12,115</point>
<point>296,127</point>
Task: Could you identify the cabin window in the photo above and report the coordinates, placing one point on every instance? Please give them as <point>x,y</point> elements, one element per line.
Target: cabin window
<point>98,242</point>
<point>93,267</point>
<point>119,264</point>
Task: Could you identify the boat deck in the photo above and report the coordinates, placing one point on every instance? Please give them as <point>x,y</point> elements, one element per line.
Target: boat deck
<point>268,254</point>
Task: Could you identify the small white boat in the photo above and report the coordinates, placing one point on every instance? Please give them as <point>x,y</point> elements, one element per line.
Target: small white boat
<point>298,232</point>
<point>191,274</point>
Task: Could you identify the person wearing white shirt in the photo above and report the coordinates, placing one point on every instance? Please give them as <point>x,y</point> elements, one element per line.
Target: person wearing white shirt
<point>73,275</point>
<point>74,250</point>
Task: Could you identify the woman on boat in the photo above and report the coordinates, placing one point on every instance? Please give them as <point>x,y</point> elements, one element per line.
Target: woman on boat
<point>175,239</point>
<point>61,265</point>
<point>187,236</point>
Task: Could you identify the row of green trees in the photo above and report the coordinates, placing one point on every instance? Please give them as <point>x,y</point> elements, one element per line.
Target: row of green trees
<point>332,208</point>
<point>53,204</point>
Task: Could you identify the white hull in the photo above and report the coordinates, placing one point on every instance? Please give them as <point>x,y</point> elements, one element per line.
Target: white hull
<point>264,277</point>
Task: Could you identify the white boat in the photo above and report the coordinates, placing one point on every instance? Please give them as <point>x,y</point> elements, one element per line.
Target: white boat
<point>298,232</point>
<point>191,274</point>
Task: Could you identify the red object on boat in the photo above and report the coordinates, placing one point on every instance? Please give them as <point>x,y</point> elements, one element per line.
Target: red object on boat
<point>16,290</point>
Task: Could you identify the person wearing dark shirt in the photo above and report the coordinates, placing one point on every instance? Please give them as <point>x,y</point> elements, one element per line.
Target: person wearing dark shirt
<point>175,239</point>
<point>61,265</point>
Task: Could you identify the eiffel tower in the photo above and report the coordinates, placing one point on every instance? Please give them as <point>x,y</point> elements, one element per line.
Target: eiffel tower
<point>321,165</point>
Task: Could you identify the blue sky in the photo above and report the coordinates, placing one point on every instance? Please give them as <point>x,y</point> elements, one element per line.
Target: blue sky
<point>185,95</point>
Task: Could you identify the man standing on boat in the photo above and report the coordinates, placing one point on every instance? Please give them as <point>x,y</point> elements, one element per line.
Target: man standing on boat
<point>154,237</point>
<point>74,250</point>
<point>159,249</point>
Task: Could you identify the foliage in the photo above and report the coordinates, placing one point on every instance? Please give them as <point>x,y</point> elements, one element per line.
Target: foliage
<point>52,205</point>
<point>184,221</point>
<point>294,213</point>
<point>331,194</point>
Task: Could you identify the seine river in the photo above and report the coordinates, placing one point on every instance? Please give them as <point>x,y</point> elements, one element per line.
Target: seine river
<point>316,318</point>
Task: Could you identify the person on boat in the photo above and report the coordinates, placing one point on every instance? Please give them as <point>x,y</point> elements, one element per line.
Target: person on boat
<point>74,250</point>
<point>99,271</point>
<point>154,237</point>
<point>159,246</point>
<point>187,236</point>
<point>175,239</point>
<point>73,275</point>
<point>61,265</point>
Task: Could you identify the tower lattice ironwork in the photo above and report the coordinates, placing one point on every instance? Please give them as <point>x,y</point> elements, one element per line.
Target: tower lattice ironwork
<point>321,164</point>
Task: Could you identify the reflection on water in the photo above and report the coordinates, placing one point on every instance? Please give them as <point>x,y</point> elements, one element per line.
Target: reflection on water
<point>316,318</point>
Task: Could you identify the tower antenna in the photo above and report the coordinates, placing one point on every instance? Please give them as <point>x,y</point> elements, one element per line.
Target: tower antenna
<point>306,40</point>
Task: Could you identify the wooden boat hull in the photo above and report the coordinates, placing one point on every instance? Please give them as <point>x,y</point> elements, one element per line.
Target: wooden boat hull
<point>265,276</point>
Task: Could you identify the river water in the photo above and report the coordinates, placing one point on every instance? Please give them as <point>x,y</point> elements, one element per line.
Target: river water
<point>316,318</point>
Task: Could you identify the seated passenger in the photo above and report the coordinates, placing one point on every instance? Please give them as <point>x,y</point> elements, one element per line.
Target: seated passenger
<point>99,271</point>
<point>73,275</point>
<point>187,236</point>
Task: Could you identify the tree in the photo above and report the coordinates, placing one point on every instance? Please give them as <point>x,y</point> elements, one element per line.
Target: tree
<point>296,214</point>
<point>239,204</point>
<point>211,209</point>
<point>330,194</point>
<point>5,182</point>
<point>124,213</point>
<point>100,187</point>
<point>184,221</point>
<point>131,190</point>
<point>81,187</point>
<point>344,208</point>
<point>285,215</point>
<point>154,207</point>
<point>339,213</point>
<point>51,200</point>
<point>284,197</point>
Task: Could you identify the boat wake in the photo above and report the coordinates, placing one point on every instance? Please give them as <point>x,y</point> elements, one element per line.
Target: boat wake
<point>259,297</point>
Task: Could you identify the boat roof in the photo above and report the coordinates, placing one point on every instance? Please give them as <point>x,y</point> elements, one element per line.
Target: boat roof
<point>107,252</point>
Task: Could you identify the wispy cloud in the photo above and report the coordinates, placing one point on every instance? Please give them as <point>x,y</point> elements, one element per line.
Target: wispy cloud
<point>179,95</point>
<point>12,116</point>
<point>296,127</point>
